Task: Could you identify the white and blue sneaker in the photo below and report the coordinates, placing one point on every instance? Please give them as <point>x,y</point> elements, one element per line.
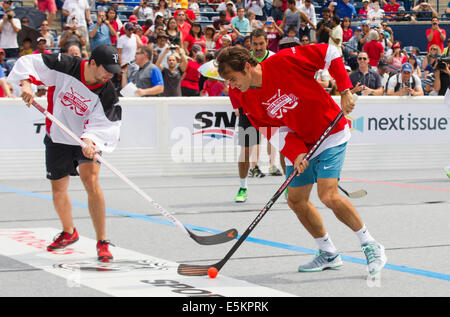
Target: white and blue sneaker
<point>322,261</point>
<point>376,258</point>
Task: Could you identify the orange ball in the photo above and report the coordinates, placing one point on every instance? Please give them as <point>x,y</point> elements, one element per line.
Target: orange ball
<point>212,272</point>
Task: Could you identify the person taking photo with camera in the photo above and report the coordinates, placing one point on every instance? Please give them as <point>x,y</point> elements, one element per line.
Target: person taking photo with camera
<point>435,35</point>
<point>101,32</point>
<point>9,27</point>
<point>442,75</point>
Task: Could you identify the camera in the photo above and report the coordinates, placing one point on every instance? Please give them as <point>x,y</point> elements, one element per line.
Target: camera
<point>442,62</point>
<point>172,47</point>
<point>9,16</point>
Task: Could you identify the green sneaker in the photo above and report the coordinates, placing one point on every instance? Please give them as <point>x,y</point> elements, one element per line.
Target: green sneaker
<point>241,195</point>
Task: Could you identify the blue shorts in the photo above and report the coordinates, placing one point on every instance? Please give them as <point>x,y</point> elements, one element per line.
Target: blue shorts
<point>327,164</point>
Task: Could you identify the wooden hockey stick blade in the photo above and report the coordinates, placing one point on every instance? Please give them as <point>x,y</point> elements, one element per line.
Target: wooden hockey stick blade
<point>215,239</point>
<point>357,194</point>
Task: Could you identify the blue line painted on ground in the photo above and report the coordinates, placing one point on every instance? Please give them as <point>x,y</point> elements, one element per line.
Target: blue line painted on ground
<point>393,267</point>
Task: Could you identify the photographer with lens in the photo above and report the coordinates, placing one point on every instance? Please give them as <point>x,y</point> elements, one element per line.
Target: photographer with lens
<point>101,32</point>
<point>9,27</point>
<point>441,75</point>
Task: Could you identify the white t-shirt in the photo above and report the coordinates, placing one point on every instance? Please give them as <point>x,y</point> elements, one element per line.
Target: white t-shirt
<point>397,79</point>
<point>77,8</point>
<point>128,46</point>
<point>336,33</point>
<point>145,13</point>
<point>8,38</point>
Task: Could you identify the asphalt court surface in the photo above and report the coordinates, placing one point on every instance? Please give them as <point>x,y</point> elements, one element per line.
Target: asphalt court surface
<point>408,211</point>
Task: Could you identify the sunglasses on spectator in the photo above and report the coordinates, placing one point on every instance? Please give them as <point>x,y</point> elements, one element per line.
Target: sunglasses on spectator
<point>362,58</point>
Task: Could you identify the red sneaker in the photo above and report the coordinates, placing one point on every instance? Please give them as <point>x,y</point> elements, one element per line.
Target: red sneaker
<point>103,252</point>
<point>63,239</point>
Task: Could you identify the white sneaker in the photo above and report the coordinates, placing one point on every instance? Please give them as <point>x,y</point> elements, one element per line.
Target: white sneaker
<point>376,258</point>
<point>323,260</point>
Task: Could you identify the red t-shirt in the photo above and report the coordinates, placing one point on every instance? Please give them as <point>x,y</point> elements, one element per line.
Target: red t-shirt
<point>374,50</point>
<point>191,40</point>
<point>291,97</point>
<point>347,35</point>
<point>436,38</point>
<point>391,7</point>
<point>184,29</point>
<point>192,76</point>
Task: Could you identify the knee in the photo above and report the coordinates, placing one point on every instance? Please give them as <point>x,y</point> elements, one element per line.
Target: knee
<point>329,199</point>
<point>90,183</point>
<point>298,205</point>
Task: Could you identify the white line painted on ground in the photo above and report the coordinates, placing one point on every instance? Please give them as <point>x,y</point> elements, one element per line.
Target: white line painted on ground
<point>130,274</point>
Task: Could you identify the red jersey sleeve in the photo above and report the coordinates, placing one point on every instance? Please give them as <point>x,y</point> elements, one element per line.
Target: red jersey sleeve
<point>235,99</point>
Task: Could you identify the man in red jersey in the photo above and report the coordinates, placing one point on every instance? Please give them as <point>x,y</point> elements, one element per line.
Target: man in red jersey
<point>283,100</point>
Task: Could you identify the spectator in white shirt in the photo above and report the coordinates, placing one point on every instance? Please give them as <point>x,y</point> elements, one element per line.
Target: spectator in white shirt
<point>143,11</point>
<point>80,10</point>
<point>309,10</point>
<point>9,27</point>
<point>127,44</point>
<point>255,6</point>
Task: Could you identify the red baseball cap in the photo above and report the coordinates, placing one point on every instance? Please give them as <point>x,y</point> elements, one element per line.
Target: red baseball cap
<point>133,19</point>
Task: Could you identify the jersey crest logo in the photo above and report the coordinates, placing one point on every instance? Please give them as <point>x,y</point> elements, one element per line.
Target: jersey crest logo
<point>280,104</point>
<point>75,102</point>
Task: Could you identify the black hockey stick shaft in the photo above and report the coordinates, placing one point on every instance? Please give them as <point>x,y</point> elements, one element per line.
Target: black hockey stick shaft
<point>205,240</point>
<point>198,270</point>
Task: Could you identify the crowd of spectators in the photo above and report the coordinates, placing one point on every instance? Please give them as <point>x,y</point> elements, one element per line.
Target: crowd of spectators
<point>162,43</point>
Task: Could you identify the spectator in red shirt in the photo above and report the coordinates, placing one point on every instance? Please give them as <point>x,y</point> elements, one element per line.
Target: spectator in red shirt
<point>374,49</point>
<point>364,10</point>
<point>195,36</point>
<point>189,84</point>
<point>347,32</point>
<point>189,14</point>
<point>183,25</point>
<point>391,7</point>
<point>436,35</point>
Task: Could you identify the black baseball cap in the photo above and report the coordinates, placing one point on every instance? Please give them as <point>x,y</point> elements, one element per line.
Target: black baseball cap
<point>107,56</point>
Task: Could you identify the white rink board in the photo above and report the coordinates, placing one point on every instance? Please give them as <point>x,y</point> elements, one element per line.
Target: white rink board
<point>197,136</point>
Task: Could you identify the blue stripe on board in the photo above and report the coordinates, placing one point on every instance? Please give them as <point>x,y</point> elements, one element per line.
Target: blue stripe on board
<point>393,267</point>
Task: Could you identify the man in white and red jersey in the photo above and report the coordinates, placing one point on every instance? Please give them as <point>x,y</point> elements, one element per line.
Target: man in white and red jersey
<point>81,96</point>
<point>284,102</point>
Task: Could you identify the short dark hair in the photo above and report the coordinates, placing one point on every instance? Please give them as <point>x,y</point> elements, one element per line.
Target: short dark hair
<point>234,58</point>
<point>258,33</point>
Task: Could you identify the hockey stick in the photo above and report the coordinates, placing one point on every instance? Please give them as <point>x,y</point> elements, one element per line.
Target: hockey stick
<point>205,240</point>
<point>356,194</point>
<point>200,270</point>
